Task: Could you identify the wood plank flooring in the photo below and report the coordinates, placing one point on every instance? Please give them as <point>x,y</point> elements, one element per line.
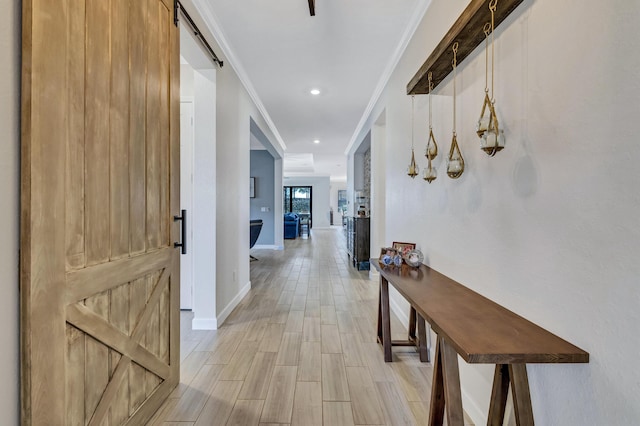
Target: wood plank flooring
<point>300,349</point>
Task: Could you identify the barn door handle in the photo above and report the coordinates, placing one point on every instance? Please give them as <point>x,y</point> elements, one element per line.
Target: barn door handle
<point>183,218</point>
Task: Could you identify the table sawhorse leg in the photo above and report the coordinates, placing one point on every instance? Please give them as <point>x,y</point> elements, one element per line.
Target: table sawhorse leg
<point>445,388</point>
<point>384,327</point>
<point>419,340</point>
<point>516,375</point>
<point>384,319</point>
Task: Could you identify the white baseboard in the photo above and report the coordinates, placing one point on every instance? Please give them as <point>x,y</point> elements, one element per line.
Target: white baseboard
<point>204,324</point>
<point>267,247</point>
<point>235,302</point>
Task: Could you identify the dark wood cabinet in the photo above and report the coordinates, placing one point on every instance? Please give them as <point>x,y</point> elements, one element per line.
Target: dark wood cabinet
<point>358,241</point>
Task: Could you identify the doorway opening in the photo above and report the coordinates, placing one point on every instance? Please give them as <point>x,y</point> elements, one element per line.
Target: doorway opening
<point>197,181</point>
<point>298,199</point>
<point>186,200</point>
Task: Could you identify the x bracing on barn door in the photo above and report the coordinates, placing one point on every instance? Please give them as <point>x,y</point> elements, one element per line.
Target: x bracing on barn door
<point>129,347</point>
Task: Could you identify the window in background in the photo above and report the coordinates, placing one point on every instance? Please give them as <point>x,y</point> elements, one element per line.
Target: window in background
<point>297,199</point>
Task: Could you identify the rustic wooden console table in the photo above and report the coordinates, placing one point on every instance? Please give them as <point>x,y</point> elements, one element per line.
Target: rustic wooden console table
<point>481,332</point>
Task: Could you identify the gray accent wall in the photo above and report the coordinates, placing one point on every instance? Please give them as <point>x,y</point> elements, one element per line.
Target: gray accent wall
<point>263,170</point>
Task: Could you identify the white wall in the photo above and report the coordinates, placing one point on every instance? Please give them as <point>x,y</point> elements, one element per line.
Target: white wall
<point>204,201</point>
<point>377,204</point>
<point>10,211</point>
<point>233,198</point>
<point>549,227</point>
<point>319,198</point>
<point>186,80</point>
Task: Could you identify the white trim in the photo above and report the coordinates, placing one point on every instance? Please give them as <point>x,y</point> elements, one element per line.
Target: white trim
<point>211,21</point>
<point>411,28</point>
<point>204,324</point>
<point>267,247</point>
<point>186,99</point>
<point>235,302</point>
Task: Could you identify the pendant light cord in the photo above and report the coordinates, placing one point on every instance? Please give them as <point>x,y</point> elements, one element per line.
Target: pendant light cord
<point>487,30</point>
<point>412,112</point>
<point>430,86</point>
<point>492,7</point>
<point>455,63</point>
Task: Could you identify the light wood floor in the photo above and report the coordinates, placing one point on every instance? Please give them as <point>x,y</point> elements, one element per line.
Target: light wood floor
<point>300,349</point>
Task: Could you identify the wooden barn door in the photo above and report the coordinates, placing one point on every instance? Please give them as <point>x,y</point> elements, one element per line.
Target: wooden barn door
<point>100,186</point>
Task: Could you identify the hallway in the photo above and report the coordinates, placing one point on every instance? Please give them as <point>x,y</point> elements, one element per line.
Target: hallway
<point>300,349</point>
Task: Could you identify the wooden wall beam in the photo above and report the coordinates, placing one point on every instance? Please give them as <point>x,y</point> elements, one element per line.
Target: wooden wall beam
<point>468,32</point>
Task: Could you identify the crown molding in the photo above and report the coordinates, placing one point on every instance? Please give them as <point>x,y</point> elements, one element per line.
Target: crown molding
<point>211,21</point>
<point>412,26</point>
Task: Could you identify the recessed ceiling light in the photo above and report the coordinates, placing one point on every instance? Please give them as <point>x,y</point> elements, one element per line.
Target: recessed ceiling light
<point>316,141</point>
<point>315,91</point>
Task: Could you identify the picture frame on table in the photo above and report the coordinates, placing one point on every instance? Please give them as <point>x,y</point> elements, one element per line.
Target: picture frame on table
<point>403,248</point>
<point>388,251</point>
<point>388,257</point>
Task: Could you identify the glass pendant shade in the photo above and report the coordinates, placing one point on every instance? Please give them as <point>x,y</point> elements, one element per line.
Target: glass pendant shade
<point>492,142</point>
<point>455,162</point>
<point>430,174</point>
<point>485,116</point>
<point>413,169</point>
<point>432,147</point>
<point>492,139</point>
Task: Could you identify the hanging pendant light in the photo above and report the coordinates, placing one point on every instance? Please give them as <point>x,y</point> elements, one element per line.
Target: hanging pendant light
<point>455,162</point>
<point>492,137</point>
<point>413,169</point>
<point>430,173</point>
<point>485,115</point>
<point>431,152</point>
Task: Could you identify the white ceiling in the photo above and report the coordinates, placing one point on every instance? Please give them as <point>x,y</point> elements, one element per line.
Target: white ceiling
<point>344,51</point>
